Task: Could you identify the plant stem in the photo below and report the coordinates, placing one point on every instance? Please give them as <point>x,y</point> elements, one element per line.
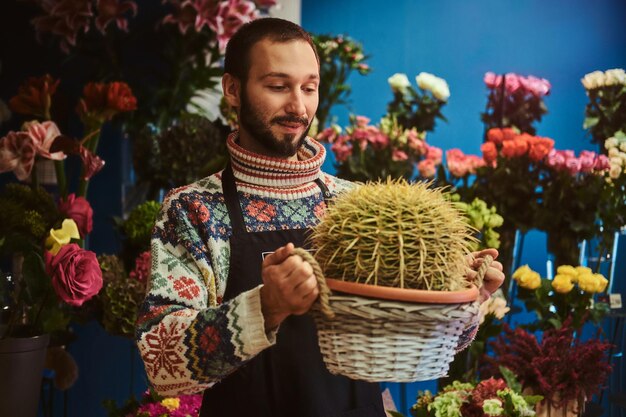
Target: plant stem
<point>59,167</point>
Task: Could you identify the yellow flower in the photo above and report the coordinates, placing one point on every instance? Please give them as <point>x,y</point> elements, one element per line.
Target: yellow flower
<point>531,280</point>
<point>562,283</point>
<point>583,270</point>
<point>568,270</point>
<point>521,271</point>
<point>171,403</point>
<point>592,283</point>
<point>62,236</point>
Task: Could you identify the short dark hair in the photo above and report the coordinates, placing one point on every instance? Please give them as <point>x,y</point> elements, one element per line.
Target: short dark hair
<point>237,59</point>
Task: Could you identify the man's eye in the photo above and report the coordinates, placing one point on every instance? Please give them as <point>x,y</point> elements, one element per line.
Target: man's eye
<point>310,89</point>
<point>277,87</point>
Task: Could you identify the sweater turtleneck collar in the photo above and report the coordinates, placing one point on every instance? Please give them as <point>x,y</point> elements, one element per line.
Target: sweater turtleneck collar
<point>265,171</point>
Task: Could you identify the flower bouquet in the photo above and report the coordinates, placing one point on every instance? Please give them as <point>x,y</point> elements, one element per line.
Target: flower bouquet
<point>489,397</point>
<point>515,101</point>
<point>154,405</point>
<point>420,108</point>
<point>562,368</point>
<point>53,276</point>
<point>367,153</point>
<point>339,56</point>
<point>396,253</point>
<point>569,295</point>
<point>605,114</point>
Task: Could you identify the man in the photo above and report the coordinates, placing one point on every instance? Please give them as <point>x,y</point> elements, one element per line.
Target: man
<point>225,308</point>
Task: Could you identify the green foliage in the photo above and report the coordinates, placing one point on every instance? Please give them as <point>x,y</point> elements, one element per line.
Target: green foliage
<point>605,113</point>
<point>138,227</point>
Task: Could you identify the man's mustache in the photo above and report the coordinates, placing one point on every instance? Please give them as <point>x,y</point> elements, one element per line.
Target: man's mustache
<point>291,119</point>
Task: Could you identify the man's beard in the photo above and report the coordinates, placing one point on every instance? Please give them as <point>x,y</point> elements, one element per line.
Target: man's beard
<point>252,121</point>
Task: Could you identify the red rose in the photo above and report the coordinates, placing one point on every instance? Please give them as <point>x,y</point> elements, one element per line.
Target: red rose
<point>508,149</point>
<point>495,136</point>
<point>540,148</point>
<point>76,274</point>
<point>120,97</point>
<point>490,153</point>
<point>79,210</point>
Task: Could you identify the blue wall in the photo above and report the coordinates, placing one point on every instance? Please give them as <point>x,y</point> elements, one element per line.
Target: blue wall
<point>560,40</point>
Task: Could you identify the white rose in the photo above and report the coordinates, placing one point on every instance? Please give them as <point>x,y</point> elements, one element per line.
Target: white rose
<point>593,80</point>
<point>399,82</point>
<point>616,160</point>
<point>622,146</point>
<point>615,171</point>
<point>613,152</point>
<point>615,76</point>
<point>437,86</point>
<point>610,143</point>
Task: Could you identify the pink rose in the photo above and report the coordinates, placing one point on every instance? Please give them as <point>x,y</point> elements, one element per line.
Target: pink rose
<point>602,163</point>
<point>76,274</point>
<point>79,210</point>
<point>427,168</point>
<point>512,82</point>
<point>573,165</point>
<point>587,161</point>
<point>362,121</point>
<point>492,80</point>
<point>399,155</point>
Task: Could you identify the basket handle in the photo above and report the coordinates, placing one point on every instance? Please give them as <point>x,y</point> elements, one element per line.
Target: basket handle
<point>325,291</point>
<point>321,282</point>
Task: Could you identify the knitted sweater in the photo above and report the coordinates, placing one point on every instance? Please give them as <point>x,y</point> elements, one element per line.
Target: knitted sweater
<point>188,338</point>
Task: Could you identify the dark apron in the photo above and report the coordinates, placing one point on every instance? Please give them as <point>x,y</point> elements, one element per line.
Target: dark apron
<point>288,379</point>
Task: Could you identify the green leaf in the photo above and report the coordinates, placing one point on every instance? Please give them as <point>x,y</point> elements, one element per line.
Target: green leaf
<point>590,122</point>
<point>511,379</point>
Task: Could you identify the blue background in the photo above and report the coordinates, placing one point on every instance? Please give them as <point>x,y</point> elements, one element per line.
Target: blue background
<point>560,40</point>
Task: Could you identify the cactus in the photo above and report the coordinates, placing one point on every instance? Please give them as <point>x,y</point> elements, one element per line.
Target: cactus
<point>392,233</point>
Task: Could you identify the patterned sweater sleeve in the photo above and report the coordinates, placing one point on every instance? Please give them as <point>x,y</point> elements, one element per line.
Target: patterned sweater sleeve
<point>186,340</point>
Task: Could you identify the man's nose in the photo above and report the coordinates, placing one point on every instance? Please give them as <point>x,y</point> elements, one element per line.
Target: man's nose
<point>296,104</point>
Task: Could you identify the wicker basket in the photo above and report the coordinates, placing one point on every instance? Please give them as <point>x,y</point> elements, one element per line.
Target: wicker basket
<point>374,339</point>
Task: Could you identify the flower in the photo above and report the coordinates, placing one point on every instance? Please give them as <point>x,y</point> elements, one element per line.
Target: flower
<point>61,237</point>
<point>560,367</point>
<point>75,272</point>
<point>153,405</point>
<point>367,152</point>
<point>518,105</point>
<point>339,56</point>
<point>437,86</point>
<point>419,108</point>
<point>605,111</point>
<point>17,154</point>
<point>230,16</point>
<point>103,101</point>
<point>567,296</point>
<point>35,96</point>
<point>110,10</point>
<point>79,210</point>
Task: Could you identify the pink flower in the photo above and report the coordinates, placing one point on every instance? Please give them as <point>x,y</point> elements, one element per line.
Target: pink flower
<point>109,10</point>
<point>64,18</point>
<point>327,135</point>
<point>17,154</point>
<point>342,149</point>
<point>492,80</point>
<point>415,142</point>
<point>587,161</point>
<point>434,154</point>
<point>142,267</point>
<point>495,136</point>
<point>399,155</point>
<point>76,274</point>
<point>362,121</point>
<point>79,210</point>
<point>43,135</point>
<point>230,16</point>
<point>573,165</point>
<point>512,82</point>
<point>602,163</point>
<point>427,168</point>
<point>538,87</point>
<point>92,163</point>
<point>184,15</point>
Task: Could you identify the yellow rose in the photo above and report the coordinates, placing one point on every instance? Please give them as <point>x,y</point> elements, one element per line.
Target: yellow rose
<point>521,271</point>
<point>568,270</point>
<point>592,283</point>
<point>530,280</point>
<point>171,403</point>
<point>602,282</point>
<point>583,270</point>
<point>562,283</point>
<point>62,236</point>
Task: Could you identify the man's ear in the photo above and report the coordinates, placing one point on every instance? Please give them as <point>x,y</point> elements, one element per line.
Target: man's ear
<point>232,90</point>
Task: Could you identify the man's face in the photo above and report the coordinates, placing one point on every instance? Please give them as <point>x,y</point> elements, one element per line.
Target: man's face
<point>279,99</point>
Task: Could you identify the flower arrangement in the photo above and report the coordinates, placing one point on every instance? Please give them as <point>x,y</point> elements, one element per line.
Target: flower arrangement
<point>339,57</point>
<point>559,367</point>
<point>514,101</point>
<point>571,186</point>
<point>569,295</point>
<point>490,397</point>
<point>419,108</point>
<point>153,405</point>
<point>605,113</point>
<point>53,272</point>
<point>367,153</point>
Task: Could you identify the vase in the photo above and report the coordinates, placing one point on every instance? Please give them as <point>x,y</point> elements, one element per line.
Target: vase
<point>21,370</point>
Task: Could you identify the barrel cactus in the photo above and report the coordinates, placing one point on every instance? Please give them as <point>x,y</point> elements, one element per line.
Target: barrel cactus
<point>396,234</point>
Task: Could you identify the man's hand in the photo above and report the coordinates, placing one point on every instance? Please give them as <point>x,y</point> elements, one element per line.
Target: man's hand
<point>494,276</point>
<point>289,286</point>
